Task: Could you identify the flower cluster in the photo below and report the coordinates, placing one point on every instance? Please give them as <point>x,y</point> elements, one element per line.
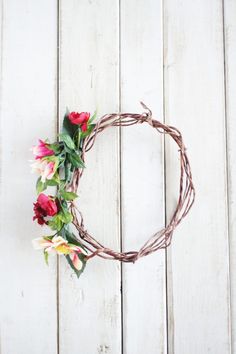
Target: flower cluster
<point>55,163</point>
<point>46,162</point>
<point>58,245</point>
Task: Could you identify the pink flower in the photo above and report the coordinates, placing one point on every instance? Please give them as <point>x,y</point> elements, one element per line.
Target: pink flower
<point>41,243</point>
<point>45,168</point>
<point>58,245</point>
<point>42,150</point>
<point>80,119</point>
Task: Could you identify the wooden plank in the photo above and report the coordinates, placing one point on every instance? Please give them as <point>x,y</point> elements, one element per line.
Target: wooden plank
<point>28,111</point>
<point>230,71</point>
<point>198,269</point>
<point>90,320</point>
<point>142,177</point>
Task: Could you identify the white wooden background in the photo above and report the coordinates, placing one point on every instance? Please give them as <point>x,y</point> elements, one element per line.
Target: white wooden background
<point>179,57</point>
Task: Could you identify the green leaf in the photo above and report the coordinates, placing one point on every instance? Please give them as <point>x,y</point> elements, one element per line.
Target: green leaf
<point>49,238</point>
<point>67,171</point>
<point>83,260</point>
<point>56,178</point>
<point>77,137</point>
<point>68,141</point>
<point>45,256</point>
<point>93,117</point>
<point>55,223</point>
<point>65,216</point>
<point>55,147</point>
<point>67,150</point>
<point>40,186</point>
<point>76,160</point>
<point>71,238</point>
<point>62,159</point>
<point>68,127</point>
<point>68,195</point>
<point>54,181</point>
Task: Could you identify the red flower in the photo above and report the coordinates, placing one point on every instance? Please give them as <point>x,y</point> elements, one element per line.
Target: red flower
<point>80,119</point>
<point>45,206</point>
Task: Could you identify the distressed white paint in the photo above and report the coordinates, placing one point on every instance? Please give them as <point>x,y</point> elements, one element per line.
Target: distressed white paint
<point>198,274</point>
<point>28,110</point>
<point>142,177</point>
<point>230,60</point>
<point>111,57</point>
<point>90,310</point>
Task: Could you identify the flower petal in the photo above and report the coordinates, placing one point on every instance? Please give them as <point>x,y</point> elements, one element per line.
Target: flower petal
<point>77,263</point>
<point>41,243</point>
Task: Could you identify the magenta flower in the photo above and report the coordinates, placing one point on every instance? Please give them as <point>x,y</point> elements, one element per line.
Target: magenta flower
<point>42,150</point>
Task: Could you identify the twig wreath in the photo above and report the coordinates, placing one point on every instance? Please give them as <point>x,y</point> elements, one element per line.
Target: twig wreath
<point>61,164</point>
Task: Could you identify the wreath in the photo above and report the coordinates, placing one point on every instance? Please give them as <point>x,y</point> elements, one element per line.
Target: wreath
<point>61,165</point>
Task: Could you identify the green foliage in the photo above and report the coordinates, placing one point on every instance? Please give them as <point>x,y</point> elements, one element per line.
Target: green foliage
<point>88,131</point>
<point>65,216</point>
<point>40,186</point>
<point>91,119</point>
<point>56,223</point>
<point>45,256</point>
<point>68,141</point>
<point>68,170</point>
<point>55,147</point>
<point>67,158</point>
<point>83,260</point>
<point>78,138</point>
<point>76,160</point>
<point>68,195</point>
<point>70,237</point>
<point>52,182</point>
<point>68,127</point>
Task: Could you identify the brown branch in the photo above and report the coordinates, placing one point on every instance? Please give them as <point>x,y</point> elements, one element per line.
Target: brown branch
<point>161,239</point>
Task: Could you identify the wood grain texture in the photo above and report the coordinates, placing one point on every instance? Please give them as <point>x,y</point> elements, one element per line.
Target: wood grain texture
<point>90,308</point>
<point>198,269</point>
<point>142,177</point>
<point>28,103</point>
<point>178,57</point>
<point>230,81</point>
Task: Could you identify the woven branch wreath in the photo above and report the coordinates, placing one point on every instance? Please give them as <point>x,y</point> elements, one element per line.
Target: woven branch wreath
<point>61,165</point>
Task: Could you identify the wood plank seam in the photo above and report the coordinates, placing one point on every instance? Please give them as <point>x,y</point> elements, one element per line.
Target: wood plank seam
<point>57,132</point>
<point>227,166</point>
<point>120,182</point>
